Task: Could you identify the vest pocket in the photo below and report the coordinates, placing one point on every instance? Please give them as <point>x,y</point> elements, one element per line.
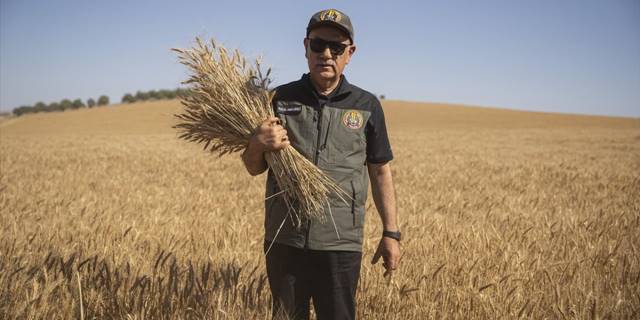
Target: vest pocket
<point>344,146</point>
<point>296,119</point>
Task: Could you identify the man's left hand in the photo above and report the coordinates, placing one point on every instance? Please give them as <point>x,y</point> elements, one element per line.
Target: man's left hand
<point>389,250</point>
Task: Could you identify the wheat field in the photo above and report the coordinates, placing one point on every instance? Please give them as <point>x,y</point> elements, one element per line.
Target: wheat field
<point>505,214</point>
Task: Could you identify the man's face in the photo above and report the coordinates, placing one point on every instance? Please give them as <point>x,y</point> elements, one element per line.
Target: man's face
<point>326,66</point>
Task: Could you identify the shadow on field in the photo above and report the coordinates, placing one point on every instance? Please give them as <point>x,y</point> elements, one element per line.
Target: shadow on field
<point>110,290</point>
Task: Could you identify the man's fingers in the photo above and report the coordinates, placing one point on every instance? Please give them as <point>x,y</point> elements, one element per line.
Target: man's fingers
<point>387,269</point>
<point>392,261</point>
<point>275,129</point>
<point>279,145</point>
<point>376,257</point>
<point>390,254</point>
<point>273,121</point>
<point>281,136</point>
<point>284,144</point>
<point>276,132</point>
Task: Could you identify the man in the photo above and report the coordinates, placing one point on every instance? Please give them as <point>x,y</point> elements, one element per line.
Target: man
<point>341,129</point>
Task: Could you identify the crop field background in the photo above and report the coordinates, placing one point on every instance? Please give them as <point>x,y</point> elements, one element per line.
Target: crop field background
<point>506,214</point>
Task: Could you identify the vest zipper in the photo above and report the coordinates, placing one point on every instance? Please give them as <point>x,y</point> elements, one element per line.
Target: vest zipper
<point>319,138</point>
<point>353,202</point>
<point>315,161</point>
<point>326,136</point>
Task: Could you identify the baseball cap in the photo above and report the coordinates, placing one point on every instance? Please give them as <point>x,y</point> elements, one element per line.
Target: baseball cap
<point>331,17</point>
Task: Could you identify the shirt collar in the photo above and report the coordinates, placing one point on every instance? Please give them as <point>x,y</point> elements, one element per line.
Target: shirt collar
<point>343,89</point>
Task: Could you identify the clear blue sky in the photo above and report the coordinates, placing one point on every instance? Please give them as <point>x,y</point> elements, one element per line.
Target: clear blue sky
<point>579,56</point>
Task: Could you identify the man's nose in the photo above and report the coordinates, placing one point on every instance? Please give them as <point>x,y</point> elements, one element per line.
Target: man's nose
<point>326,53</point>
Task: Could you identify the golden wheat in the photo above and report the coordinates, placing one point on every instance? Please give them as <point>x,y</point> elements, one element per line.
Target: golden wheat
<point>506,215</point>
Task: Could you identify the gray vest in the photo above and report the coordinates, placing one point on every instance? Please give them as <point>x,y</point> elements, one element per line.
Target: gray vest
<point>333,138</point>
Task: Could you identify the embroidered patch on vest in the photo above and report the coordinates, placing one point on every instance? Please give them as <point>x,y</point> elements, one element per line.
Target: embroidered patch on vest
<point>289,108</point>
<point>352,119</point>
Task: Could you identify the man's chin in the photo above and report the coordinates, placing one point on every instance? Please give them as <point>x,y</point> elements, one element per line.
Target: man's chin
<point>325,75</point>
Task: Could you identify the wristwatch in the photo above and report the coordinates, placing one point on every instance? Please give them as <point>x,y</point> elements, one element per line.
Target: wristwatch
<point>392,234</point>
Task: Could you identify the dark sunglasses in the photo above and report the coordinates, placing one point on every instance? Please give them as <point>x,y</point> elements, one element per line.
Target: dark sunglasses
<point>318,46</point>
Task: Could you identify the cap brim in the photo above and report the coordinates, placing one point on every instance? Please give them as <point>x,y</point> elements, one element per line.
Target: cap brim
<point>330,24</point>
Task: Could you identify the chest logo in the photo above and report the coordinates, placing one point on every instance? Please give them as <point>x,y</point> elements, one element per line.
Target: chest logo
<point>352,119</point>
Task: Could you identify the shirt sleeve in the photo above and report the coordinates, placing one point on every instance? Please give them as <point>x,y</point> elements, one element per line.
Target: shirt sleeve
<point>378,147</point>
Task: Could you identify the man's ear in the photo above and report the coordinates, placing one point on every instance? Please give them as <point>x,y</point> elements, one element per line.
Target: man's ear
<point>351,51</point>
<point>306,50</point>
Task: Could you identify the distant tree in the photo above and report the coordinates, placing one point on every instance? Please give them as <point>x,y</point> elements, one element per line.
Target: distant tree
<point>54,106</point>
<point>382,97</point>
<point>40,107</point>
<point>77,104</point>
<point>128,98</point>
<point>141,96</point>
<point>66,104</point>
<point>91,103</point>
<point>167,94</point>
<point>22,110</point>
<point>154,95</point>
<point>103,100</point>
<point>181,92</point>
<point>161,94</point>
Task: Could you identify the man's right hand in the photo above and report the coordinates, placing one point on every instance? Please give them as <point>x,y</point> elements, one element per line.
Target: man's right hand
<point>270,136</point>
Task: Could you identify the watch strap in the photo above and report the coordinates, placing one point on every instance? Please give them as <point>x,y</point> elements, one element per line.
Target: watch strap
<point>392,234</point>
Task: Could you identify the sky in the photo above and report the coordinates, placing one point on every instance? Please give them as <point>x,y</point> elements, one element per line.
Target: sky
<point>572,56</point>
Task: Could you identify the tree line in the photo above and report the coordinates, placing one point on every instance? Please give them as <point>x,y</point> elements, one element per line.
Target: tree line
<point>103,100</point>
<point>152,95</point>
<point>64,104</point>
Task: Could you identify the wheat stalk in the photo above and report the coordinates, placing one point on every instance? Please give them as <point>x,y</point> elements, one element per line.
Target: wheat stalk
<point>227,100</point>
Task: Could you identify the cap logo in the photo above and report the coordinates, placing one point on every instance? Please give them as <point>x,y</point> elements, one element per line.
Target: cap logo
<point>352,119</point>
<point>330,15</point>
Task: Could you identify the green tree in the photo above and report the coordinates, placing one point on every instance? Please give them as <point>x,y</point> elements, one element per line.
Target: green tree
<point>40,107</point>
<point>141,96</point>
<point>181,92</point>
<point>166,94</point>
<point>77,104</point>
<point>54,106</point>
<point>161,94</point>
<point>128,98</point>
<point>103,100</point>
<point>66,104</point>
<point>153,94</point>
<point>91,103</point>
<point>22,110</point>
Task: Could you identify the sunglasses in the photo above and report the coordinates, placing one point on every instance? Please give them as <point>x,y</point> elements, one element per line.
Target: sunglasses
<point>319,45</point>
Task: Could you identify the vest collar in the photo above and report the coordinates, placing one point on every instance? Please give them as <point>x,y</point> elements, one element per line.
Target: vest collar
<point>341,91</point>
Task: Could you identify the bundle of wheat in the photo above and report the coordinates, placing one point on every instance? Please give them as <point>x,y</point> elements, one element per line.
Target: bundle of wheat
<point>227,100</point>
